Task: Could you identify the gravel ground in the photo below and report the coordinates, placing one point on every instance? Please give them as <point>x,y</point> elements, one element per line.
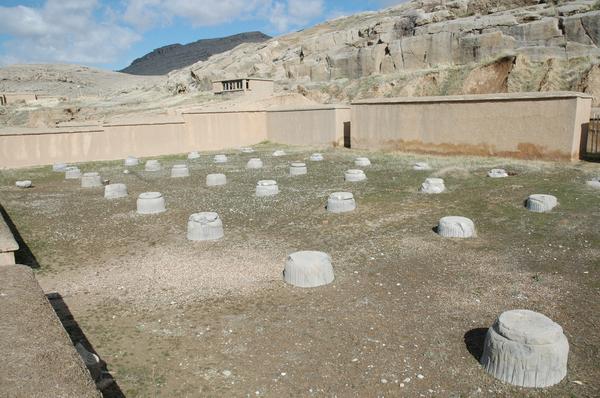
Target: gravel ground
<point>404,316</point>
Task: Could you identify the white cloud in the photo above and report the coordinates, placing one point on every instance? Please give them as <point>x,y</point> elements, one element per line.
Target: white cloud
<point>62,31</point>
<point>294,13</point>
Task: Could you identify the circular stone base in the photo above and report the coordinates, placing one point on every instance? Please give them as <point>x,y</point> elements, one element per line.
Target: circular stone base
<point>204,226</point>
<point>220,159</point>
<point>59,167</point>
<point>497,173</point>
<point>193,155</point>
<point>23,184</point>
<point>316,157</point>
<point>131,161</point>
<point>278,153</point>
<point>341,202</point>
<point>91,180</point>
<point>72,173</point>
<point>308,269</point>
<point>150,203</point>
<point>353,175</point>
<point>456,227</point>
<point>594,182</point>
<point>526,349</point>
<point>267,188</point>
<point>362,162</point>
<point>421,166</point>
<point>298,168</point>
<point>541,203</point>
<point>180,170</point>
<point>213,180</point>
<point>115,191</point>
<point>246,150</point>
<point>433,185</point>
<point>254,163</point>
<point>152,165</point>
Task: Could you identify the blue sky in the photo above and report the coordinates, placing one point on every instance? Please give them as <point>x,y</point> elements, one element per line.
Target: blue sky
<point>111,33</point>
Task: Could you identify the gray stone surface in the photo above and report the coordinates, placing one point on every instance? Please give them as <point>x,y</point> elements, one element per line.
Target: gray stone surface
<point>497,173</point>
<point>316,157</point>
<point>91,361</point>
<point>220,158</point>
<point>8,244</point>
<point>456,227</point>
<point>60,167</point>
<point>433,185</point>
<point>72,173</point>
<point>354,175</point>
<point>594,183</point>
<point>526,349</point>
<point>267,188</point>
<point>541,203</point>
<point>246,150</point>
<point>341,202</point>
<point>278,153</point>
<point>421,166</point>
<point>150,203</point>
<point>362,162</point>
<point>298,168</point>
<point>153,165</point>
<point>180,170</point>
<point>91,180</point>
<point>193,155</point>
<point>308,269</point>
<point>216,179</point>
<point>115,191</point>
<point>131,161</point>
<point>254,163</point>
<point>23,184</point>
<point>204,226</point>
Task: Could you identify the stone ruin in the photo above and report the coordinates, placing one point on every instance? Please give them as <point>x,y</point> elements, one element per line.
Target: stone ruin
<point>213,180</point>
<point>153,165</point>
<point>420,166</point>
<point>278,153</point>
<point>72,173</point>
<point>354,175</point>
<point>150,203</point>
<point>433,185</point>
<point>341,202</point>
<point>246,150</point>
<point>204,226</point>
<point>266,188</point>
<point>91,180</point>
<point>180,170</point>
<point>362,162</point>
<point>541,203</point>
<point>220,158</point>
<point>456,227</point>
<point>308,269</point>
<point>115,191</point>
<point>526,349</point>
<point>316,157</point>
<point>594,182</point>
<point>497,173</point>
<point>59,167</point>
<point>193,155</point>
<point>131,161</point>
<point>23,184</point>
<point>298,168</point>
<point>254,163</point>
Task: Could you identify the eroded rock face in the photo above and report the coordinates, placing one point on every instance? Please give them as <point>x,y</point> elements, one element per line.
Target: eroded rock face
<point>418,36</point>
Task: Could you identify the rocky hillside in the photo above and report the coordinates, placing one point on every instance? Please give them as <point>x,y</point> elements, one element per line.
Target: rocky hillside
<point>424,47</point>
<point>176,56</point>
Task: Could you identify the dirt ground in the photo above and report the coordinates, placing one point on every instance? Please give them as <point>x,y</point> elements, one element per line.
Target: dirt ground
<point>405,316</point>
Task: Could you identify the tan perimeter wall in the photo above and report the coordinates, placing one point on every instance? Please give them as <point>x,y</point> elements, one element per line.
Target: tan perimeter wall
<point>530,126</point>
<point>313,126</point>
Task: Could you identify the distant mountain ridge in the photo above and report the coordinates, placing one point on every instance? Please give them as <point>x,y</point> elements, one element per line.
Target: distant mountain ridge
<point>176,56</point>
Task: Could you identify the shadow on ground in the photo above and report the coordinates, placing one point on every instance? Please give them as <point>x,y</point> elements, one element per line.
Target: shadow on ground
<point>23,255</point>
<point>474,340</point>
<point>107,384</point>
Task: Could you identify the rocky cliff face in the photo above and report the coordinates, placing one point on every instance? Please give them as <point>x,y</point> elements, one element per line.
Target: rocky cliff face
<point>425,47</point>
<point>175,56</point>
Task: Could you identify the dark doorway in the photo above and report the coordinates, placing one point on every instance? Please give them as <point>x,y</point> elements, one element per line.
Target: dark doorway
<point>347,139</point>
<point>590,139</point>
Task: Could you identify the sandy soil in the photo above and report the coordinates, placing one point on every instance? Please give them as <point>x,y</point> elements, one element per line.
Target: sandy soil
<point>405,315</point>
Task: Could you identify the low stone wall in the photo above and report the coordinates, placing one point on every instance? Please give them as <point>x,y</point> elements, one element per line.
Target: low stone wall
<point>8,244</point>
<point>310,125</point>
<point>528,125</point>
<point>38,358</point>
